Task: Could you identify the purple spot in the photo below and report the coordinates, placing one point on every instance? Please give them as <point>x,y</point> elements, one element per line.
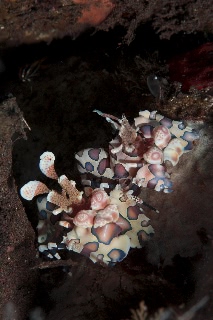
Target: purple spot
<point>89,247</point>
<point>103,164</point>
<point>147,131</point>
<point>152,183</point>
<point>145,223</point>
<point>189,146</point>
<point>157,170</point>
<point>166,122</point>
<point>120,172</point>
<point>133,212</point>
<point>190,137</point>
<point>124,224</point>
<point>94,154</point>
<point>106,233</point>
<point>116,255</point>
<point>143,237</point>
<point>89,167</point>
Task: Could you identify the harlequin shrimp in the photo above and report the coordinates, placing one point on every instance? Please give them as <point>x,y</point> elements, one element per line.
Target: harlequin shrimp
<point>137,155</point>
<point>102,226</point>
